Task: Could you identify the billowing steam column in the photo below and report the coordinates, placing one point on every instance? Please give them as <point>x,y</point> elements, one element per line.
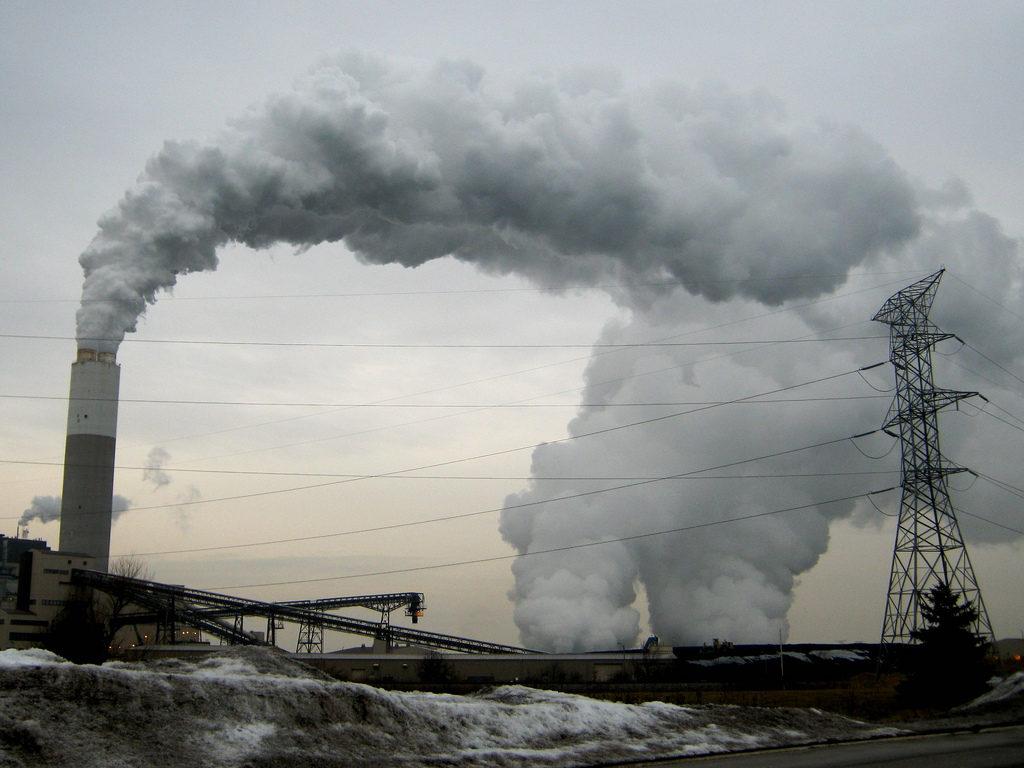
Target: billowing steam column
<point>86,508</point>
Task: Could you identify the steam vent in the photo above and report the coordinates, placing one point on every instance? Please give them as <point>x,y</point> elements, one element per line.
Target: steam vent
<point>86,503</point>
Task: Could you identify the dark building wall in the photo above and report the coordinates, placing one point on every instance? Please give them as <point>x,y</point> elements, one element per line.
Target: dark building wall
<point>25,581</point>
<point>10,559</point>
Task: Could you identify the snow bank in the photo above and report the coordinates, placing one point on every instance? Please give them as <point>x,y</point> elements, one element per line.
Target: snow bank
<point>834,655</point>
<point>33,657</point>
<point>1010,688</point>
<point>841,654</point>
<point>258,708</point>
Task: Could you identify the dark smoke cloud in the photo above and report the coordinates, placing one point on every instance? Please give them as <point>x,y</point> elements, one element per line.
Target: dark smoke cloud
<point>566,184</point>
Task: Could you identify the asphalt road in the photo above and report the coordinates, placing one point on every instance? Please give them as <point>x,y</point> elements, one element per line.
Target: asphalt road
<point>992,748</point>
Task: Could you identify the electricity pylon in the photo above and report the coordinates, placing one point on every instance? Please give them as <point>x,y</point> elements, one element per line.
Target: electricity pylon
<point>929,548</point>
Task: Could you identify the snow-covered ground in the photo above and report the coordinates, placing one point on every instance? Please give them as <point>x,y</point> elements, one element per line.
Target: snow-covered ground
<point>1002,690</point>
<point>257,708</point>
<point>805,658</point>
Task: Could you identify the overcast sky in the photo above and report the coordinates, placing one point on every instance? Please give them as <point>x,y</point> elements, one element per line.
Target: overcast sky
<point>850,149</point>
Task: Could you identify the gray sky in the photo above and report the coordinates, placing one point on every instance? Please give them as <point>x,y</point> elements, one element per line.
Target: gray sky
<point>92,90</point>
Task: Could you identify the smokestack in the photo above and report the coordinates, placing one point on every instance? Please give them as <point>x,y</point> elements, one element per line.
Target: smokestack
<point>86,508</point>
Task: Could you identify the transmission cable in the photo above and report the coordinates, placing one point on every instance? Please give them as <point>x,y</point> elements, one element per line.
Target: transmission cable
<point>566,548</point>
<point>876,458</point>
<point>404,346</point>
<point>990,522</point>
<point>455,291</point>
<point>382,404</point>
<point>981,354</point>
<point>493,510</point>
<point>506,451</point>
<point>1011,489</point>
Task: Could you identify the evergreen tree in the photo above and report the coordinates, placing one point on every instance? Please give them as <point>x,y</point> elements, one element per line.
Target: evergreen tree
<point>949,664</point>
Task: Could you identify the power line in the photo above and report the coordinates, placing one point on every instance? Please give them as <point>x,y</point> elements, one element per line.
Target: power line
<point>403,476</point>
<point>392,400</point>
<point>706,406</point>
<point>468,406</point>
<point>376,345</point>
<point>453,291</point>
<point>981,354</point>
<point>450,387</point>
<point>1012,415</point>
<point>539,502</point>
<point>1000,419</point>
<point>549,365</point>
<point>566,548</point>
<point>992,522</point>
<point>1011,489</point>
<point>506,451</point>
<point>986,296</point>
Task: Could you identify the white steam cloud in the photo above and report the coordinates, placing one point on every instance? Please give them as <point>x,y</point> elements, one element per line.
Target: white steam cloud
<point>580,182</point>
<point>565,183</point>
<point>735,581</point>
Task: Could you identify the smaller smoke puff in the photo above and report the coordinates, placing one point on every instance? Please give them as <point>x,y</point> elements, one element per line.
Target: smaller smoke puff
<point>46,509</point>
<point>154,472</point>
<point>119,505</point>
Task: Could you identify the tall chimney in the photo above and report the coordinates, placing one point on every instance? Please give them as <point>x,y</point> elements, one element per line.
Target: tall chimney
<point>86,509</point>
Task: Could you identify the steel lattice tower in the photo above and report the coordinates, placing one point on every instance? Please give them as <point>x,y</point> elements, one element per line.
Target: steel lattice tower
<point>929,548</point>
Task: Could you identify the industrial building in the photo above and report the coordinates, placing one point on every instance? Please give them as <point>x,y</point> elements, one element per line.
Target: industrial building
<point>44,589</point>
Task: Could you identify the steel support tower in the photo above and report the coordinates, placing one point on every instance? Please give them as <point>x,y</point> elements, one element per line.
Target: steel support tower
<point>929,549</point>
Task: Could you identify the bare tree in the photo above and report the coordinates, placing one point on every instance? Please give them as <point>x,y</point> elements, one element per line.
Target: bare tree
<point>84,630</point>
<point>112,604</point>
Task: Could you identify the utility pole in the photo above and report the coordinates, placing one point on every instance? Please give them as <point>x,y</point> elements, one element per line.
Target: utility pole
<point>929,548</point>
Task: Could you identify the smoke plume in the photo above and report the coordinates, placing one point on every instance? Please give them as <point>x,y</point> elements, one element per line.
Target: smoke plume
<point>683,197</point>
<point>735,580</point>
<point>46,509</point>
<point>566,184</point>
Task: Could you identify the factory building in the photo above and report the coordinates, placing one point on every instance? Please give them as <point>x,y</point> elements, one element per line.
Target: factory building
<point>44,588</point>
